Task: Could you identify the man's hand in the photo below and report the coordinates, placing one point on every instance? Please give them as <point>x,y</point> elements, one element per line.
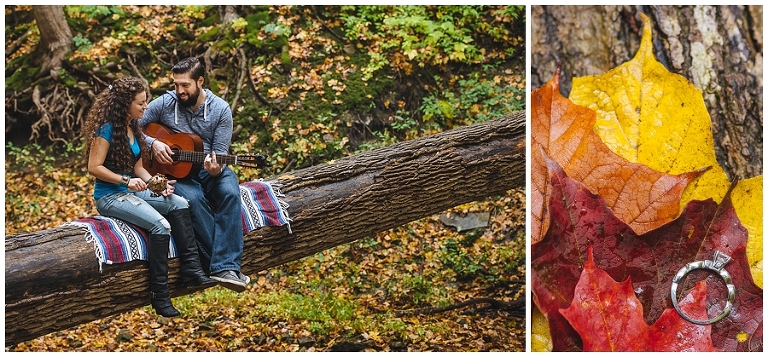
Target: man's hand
<point>211,165</point>
<point>162,152</point>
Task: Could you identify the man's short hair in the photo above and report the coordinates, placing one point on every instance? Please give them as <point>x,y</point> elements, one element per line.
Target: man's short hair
<point>189,65</point>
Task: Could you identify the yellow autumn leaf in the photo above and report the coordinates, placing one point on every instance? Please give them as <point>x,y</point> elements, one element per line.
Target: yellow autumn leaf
<point>747,198</point>
<point>651,116</point>
<point>374,336</point>
<point>541,341</point>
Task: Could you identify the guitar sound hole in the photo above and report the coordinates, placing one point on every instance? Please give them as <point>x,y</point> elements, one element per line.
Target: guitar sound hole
<point>175,155</point>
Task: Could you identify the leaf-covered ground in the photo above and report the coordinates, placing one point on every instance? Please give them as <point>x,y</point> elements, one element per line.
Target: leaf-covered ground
<point>361,296</point>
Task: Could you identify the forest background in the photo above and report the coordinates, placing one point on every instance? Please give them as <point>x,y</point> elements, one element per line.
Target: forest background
<point>307,84</point>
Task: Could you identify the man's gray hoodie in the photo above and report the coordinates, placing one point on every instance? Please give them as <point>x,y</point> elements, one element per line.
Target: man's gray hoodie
<point>212,121</point>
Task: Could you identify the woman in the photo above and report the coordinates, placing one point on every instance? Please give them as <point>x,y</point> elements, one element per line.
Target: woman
<point>113,145</point>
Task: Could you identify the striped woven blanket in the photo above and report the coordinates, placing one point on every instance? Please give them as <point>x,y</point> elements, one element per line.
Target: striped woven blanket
<point>116,241</point>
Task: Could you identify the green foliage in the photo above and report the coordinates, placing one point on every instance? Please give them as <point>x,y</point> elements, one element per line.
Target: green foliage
<point>19,80</point>
<point>41,159</point>
<point>29,157</point>
<point>97,12</point>
<point>456,258</point>
<point>82,44</point>
<point>424,40</point>
<point>248,30</point>
<point>434,35</point>
<point>195,11</point>
<point>514,11</point>
<point>214,32</point>
<point>67,79</point>
<point>384,139</point>
<point>276,30</point>
<point>322,310</point>
<point>423,291</point>
<point>257,20</point>
<point>469,263</point>
<point>477,99</point>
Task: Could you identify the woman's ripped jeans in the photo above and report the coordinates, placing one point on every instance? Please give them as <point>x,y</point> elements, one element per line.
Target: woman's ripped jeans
<point>141,209</point>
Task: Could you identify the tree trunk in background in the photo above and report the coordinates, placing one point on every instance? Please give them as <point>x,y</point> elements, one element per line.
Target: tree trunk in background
<point>717,48</point>
<point>52,279</point>
<point>55,37</point>
<point>228,13</point>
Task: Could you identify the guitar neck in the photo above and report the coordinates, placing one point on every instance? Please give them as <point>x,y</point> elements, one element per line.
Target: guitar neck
<point>197,156</point>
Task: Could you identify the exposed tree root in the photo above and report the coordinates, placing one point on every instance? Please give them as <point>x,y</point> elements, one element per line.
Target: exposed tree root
<point>515,307</point>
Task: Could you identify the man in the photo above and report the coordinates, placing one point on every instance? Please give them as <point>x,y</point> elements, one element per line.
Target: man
<point>191,109</point>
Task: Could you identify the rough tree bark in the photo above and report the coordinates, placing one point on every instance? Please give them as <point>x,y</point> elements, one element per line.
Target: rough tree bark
<point>228,13</point>
<point>52,280</point>
<point>718,48</point>
<point>55,37</point>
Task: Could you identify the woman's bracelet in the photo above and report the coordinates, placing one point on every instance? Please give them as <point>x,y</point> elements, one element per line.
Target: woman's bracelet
<point>125,180</point>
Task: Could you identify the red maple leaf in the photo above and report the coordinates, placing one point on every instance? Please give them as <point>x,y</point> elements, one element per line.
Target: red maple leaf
<point>609,317</point>
<point>580,219</point>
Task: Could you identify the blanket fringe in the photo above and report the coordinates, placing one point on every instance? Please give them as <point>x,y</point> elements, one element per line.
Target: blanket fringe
<point>91,238</point>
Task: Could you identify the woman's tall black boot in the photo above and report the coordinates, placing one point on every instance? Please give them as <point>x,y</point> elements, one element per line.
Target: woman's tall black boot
<point>157,260</point>
<point>186,245</point>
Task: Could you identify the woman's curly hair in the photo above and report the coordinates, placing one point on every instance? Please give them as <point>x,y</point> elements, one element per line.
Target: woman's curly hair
<point>111,106</point>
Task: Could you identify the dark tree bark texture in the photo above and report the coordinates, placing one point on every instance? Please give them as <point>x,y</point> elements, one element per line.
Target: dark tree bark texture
<point>717,48</point>
<point>55,36</point>
<point>52,280</point>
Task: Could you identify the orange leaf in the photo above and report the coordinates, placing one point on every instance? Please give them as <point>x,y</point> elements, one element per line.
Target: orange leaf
<point>640,196</point>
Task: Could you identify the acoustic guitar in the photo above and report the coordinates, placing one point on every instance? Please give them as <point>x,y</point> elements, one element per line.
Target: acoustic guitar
<point>188,155</point>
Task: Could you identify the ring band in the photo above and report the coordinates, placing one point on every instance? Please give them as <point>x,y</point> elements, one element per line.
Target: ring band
<point>717,264</point>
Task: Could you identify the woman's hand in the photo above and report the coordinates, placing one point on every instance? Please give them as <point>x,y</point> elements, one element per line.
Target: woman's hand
<point>137,184</point>
<point>169,190</point>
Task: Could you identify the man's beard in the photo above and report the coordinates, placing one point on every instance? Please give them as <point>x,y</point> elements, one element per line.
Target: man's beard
<point>192,99</point>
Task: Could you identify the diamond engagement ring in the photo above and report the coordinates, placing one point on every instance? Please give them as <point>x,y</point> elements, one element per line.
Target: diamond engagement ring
<point>717,264</point>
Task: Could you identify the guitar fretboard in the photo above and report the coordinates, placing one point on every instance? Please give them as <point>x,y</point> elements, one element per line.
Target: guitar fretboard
<point>197,156</point>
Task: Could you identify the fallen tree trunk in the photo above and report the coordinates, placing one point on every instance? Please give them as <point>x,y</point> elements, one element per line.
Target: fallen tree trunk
<point>52,278</point>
